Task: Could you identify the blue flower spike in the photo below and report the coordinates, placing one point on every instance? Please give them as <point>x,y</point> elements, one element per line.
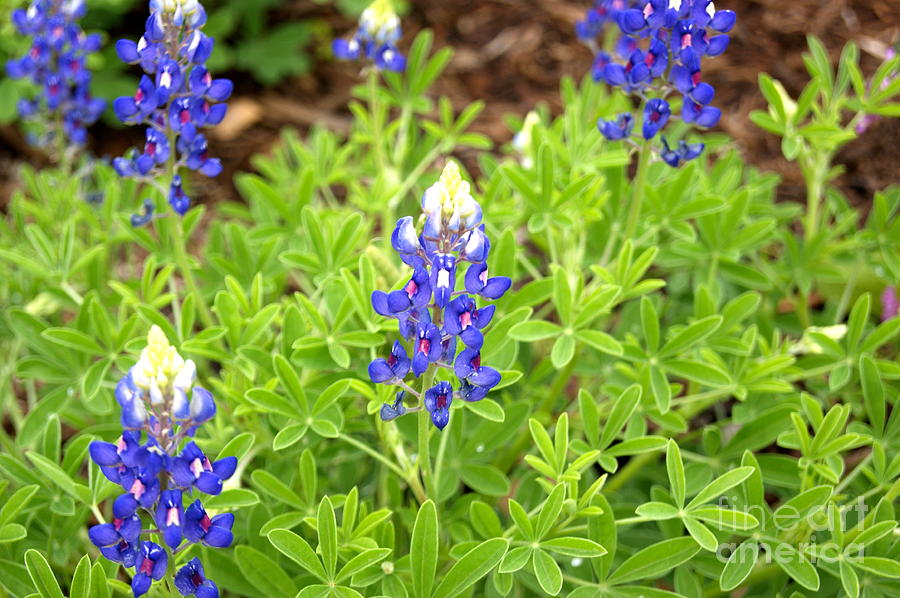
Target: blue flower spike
<point>375,40</point>
<point>175,99</point>
<point>659,49</point>
<point>162,408</point>
<point>56,64</point>
<point>435,319</point>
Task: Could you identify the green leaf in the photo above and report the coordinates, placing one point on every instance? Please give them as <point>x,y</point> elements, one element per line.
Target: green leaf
<point>849,579</point>
<point>59,477</point>
<point>563,351</point>
<point>12,532</point>
<point>15,503</point>
<point>474,565</point>
<point>423,552</point>
<point>515,559</point>
<point>562,291</point>
<point>81,579</point>
<point>327,528</point>
<point>703,373</point>
<point>364,559</point>
<point>621,411</point>
<point>489,410</point>
<point>799,507</point>
<point>657,511</point>
<point>650,325</point>
<point>519,515</point>
<point>873,393</point>
<point>233,498</point>
<point>700,533</point>
<point>485,479</point>
<point>675,469</point>
<point>691,335</point>
<point>795,564</point>
<point>534,330</point>
<point>856,323</point>
<point>271,402</point>
<point>721,484</point>
<point>550,510</point>
<point>41,575</point>
<point>659,386</point>
<point>880,566</point>
<point>739,565</point>
<point>99,583</point>
<point>73,339</point>
<point>264,573</point>
<point>729,519</point>
<point>298,550</point>
<point>275,488</point>
<point>655,560</point>
<point>548,573</point>
<point>573,546</point>
<point>601,341</point>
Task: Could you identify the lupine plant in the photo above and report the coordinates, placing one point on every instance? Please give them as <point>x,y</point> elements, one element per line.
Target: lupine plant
<point>159,467</point>
<point>689,387</point>
<point>56,63</point>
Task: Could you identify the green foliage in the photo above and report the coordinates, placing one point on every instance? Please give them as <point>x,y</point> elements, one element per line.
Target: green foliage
<point>677,418</point>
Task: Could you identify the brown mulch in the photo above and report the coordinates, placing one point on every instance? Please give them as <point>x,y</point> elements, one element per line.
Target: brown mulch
<point>511,54</point>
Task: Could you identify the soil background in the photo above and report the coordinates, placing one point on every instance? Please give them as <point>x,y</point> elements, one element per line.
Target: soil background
<point>511,54</point>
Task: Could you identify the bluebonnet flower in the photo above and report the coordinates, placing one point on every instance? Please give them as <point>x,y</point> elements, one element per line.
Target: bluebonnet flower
<point>175,99</point>
<point>433,316</point>
<point>198,527</point>
<point>55,63</point>
<point>392,411</point>
<point>161,408</point>
<point>660,47</point>
<point>150,566</point>
<point>191,581</point>
<point>375,39</point>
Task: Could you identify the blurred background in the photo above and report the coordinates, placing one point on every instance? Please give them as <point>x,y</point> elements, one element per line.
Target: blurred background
<point>510,54</point>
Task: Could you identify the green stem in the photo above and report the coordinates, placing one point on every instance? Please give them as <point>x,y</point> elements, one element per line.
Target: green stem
<point>179,247</point>
<point>424,458</point>
<point>375,122</point>
<point>182,262</point>
<point>637,192</point>
<point>815,188</point>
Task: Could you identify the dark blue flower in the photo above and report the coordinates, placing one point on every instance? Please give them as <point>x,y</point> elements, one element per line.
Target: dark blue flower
<point>683,153</point>
<point>141,490</point>
<point>437,401</point>
<point>169,517</point>
<point>427,347</point>
<point>179,201</point>
<point>469,369</point>
<point>191,581</point>
<point>443,277</point>
<point>193,468</point>
<point>122,552</point>
<point>478,283</point>
<point>126,530</point>
<point>392,369</point>
<point>620,129</point>
<point>215,532</point>
<point>656,115</point>
<point>465,320</point>
<point>392,411</point>
<point>150,566</point>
